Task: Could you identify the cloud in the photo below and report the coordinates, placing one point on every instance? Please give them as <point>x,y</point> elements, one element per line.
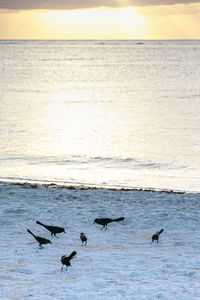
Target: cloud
<point>159,10</point>
<point>83,4</point>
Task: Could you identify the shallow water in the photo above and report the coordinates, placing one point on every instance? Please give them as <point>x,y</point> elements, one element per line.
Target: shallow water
<point>120,113</point>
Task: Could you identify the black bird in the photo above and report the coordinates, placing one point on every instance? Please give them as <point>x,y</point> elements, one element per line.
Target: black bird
<point>105,221</point>
<point>155,237</point>
<point>40,240</point>
<point>83,238</point>
<point>65,260</point>
<point>53,229</point>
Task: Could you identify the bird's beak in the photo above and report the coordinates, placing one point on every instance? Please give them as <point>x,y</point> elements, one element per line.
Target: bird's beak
<point>64,231</point>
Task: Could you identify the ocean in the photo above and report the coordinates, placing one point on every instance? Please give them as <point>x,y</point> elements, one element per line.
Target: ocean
<point>122,114</point>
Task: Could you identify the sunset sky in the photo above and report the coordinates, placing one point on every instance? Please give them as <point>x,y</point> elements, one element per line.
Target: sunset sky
<point>99,19</point>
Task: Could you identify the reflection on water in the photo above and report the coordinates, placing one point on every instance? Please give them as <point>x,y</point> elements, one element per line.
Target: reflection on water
<point>112,113</point>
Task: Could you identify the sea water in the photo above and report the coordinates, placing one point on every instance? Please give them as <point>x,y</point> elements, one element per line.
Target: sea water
<point>103,113</point>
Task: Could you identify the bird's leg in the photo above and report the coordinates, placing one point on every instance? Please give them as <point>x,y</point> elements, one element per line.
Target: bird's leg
<point>56,236</point>
<point>40,246</point>
<point>102,227</point>
<point>61,268</point>
<point>66,268</point>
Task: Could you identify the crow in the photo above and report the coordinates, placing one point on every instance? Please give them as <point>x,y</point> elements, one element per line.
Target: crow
<point>83,238</point>
<point>40,240</point>
<point>65,260</point>
<point>155,237</point>
<point>105,221</point>
<point>53,229</point>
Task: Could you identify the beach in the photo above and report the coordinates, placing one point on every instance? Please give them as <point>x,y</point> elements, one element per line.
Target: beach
<point>118,263</point>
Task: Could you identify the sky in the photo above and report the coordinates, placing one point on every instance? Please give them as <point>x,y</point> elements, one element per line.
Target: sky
<point>99,19</point>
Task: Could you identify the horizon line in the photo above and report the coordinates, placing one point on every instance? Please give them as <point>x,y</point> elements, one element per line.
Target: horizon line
<point>35,39</point>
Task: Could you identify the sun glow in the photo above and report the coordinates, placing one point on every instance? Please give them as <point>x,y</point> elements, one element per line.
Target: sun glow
<point>101,23</point>
<point>179,21</point>
<point>96,23</point>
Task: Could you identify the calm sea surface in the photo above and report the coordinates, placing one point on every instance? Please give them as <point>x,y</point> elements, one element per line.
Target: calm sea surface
<point>120,113</point>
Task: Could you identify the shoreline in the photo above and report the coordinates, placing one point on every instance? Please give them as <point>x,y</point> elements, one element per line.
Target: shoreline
<point>33,184</point>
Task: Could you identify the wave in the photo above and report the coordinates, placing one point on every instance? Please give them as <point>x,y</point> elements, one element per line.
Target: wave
<point>107,162</point>
<point>103,172</point>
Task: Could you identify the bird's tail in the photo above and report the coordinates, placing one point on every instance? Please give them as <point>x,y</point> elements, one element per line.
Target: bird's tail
<point>72,255</point>
<point>118,219</point>
<point>38,222</point>
<point>159,232</point>
<point>30,232</point>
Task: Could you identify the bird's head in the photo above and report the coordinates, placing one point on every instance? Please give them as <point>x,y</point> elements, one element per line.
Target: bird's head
<point>74,253</point>
<point>62,257</point>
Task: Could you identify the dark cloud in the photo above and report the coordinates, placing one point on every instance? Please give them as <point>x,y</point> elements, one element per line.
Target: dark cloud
<point>81,4</point>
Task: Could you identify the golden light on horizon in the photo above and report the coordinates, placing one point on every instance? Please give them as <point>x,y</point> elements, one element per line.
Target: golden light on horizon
<point>150,22</point>
<point>94,23</point>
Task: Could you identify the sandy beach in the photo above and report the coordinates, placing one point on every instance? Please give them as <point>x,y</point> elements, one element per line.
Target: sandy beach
<point>117,263</point>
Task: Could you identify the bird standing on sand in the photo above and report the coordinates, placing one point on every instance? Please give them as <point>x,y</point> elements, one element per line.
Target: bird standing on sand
<point>65,260</point>
<point>105,221</point>
<point>83,238</point>
<point>155,237</point>
<point>53,229</point>
<point>40,240</point>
